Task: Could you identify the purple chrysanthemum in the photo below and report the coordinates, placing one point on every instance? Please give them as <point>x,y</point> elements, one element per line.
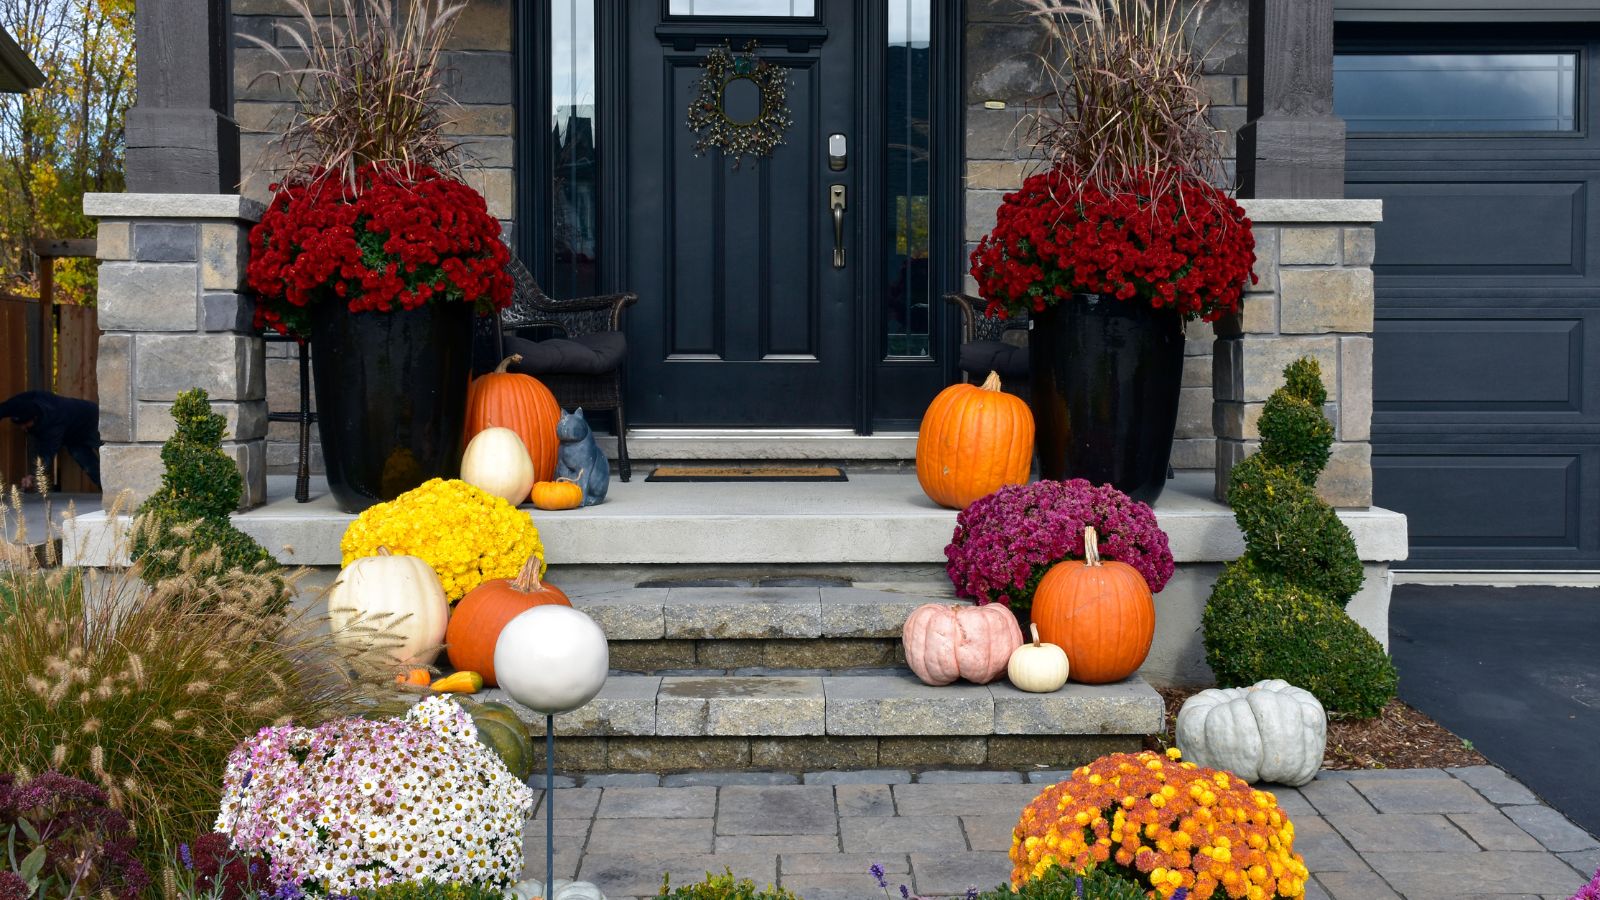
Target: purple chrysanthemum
<point>1005,542</point>
<point>1590,891</point>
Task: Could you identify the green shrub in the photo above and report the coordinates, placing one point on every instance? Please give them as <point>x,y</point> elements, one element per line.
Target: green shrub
<point>144,691</point>
<point>1295,434</point>
<point>1290,530</point>
<point>1259,625</point>
<point>430,890</point>
<point>722,887</point>
<point>1056,884</point>
<point>189,513</point>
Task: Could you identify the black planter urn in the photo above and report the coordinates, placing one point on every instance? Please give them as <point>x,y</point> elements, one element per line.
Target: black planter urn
<point>391,397</point>
<point>1106,376</point>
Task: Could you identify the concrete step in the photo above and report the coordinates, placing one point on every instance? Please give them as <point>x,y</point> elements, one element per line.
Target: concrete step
<point>628,613</point>
<point>780,721</point>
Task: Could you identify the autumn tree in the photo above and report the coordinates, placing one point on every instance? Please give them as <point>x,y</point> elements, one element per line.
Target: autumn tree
<point>64,139</point>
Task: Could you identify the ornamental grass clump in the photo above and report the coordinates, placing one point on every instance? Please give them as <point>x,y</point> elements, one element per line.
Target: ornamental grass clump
<point>1277,611</point>
<point>1168,824</point>
<point>355,804</point>
<point>1005,543</point>
<point>467,535</point>
<point>143,691</point>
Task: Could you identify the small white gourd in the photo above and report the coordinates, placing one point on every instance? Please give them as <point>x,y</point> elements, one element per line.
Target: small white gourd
<point>564,890</point>
<point>396,596</point>
<point>1270,731</point>
<point>497,462</point>
<point>1038,667</point>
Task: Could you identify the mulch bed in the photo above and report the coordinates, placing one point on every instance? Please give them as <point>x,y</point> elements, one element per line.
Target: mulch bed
<point>1400,738</point>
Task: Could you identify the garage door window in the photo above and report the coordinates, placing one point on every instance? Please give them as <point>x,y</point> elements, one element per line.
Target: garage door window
<point>1456,92</point>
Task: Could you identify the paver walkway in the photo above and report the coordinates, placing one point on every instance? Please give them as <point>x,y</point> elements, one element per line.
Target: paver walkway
<point>1419,834</point>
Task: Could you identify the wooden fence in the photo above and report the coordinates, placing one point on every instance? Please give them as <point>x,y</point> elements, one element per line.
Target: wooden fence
<point>53,352</point>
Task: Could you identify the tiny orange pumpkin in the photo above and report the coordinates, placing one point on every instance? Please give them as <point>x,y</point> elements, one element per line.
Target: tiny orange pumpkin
<point>563,493</point>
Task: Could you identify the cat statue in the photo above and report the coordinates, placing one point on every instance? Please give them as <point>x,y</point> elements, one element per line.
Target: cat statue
<point>580,459</point>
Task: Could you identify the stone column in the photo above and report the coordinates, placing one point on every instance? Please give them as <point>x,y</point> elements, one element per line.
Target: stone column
<point>175,315</point>
<point>1293,144</point>
<point>1314,298</point>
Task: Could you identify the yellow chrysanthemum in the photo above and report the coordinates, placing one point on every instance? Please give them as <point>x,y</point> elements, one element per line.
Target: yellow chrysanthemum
<point>467,535</point>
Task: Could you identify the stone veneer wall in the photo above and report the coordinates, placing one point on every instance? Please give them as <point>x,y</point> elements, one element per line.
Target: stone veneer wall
<point>1314,298</point>
<point>173,316</point>
<point>481,77</point>
<point>1001,66</point>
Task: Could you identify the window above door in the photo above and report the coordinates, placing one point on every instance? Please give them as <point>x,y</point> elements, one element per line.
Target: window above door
<point>743,9</point>
<point>1457,92</point>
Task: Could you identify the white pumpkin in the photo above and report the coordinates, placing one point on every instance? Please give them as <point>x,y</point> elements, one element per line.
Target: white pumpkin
<point>565,890</point>
<point>1038,667</point>
<point>1270,731</point>
<point>400,595</point>
<point>497,461</point>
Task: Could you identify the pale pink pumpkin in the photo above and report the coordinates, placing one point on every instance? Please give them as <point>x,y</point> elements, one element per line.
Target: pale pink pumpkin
<point>945,642</point>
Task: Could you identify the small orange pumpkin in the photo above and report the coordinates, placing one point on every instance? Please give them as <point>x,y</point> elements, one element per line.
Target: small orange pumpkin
<point>1100,612</point>
<point>973,441</point>
<point>415,677</point>
<point>563,493</point>
<point>522,404</point>
<point>478,619</point>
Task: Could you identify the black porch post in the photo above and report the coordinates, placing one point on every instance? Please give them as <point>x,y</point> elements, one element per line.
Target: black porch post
<point>181,135</point>
<point>1293,145</point>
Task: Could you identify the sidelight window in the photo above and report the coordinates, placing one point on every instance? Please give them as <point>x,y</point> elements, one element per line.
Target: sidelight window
<point>575,177</point>
<point>908,299</point>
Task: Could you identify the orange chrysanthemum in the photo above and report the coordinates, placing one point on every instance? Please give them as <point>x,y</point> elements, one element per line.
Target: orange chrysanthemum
<point>1172,824</point>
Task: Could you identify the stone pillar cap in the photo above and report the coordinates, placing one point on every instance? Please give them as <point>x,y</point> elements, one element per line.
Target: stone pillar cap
<point>172,206</point>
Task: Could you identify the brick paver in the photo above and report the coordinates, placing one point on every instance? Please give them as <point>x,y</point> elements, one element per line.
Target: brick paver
<point>1412,835</point>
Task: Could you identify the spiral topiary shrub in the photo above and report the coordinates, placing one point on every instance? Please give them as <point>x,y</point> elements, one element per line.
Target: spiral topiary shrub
<point>189,513</point>
<point>1278,610</point>
<point>1260,625</point>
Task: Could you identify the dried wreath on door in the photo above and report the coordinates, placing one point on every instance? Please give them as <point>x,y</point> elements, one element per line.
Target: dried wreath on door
<point>708,114</point>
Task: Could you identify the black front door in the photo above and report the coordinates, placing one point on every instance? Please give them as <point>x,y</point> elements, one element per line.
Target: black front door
<point>747,318</point>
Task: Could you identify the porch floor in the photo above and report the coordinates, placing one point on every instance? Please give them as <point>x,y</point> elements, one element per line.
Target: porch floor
<point>875,517</point>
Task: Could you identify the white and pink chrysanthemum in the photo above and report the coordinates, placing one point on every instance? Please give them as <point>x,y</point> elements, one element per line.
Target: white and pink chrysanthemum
<point>355,803</point>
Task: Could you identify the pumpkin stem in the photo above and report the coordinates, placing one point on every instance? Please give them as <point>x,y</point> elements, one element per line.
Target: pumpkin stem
<point>1034,627</point>
<point>527,580</point>
<point>1091,546</point>
<point>513,358</point>
<point>992,383</point>
<point>384,551</point>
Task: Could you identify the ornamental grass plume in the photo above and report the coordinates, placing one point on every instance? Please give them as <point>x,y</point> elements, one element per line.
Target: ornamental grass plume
<point>143,691</point>
<point>1172,825</point>
<point>369,86</point>
<point>467,535</point>
<point>1004,543</point>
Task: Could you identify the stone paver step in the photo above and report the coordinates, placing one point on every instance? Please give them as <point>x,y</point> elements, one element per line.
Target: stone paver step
<point>849,706</point>
<point>628,613</point>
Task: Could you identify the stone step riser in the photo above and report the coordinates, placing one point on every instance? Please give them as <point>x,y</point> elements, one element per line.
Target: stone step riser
<point>733,656</point>
<point>724,614</point>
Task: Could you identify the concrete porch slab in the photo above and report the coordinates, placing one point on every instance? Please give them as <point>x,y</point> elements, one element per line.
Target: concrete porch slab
<point>872,518</point>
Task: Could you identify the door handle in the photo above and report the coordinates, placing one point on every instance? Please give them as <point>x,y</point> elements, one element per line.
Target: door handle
<point>836,204</point>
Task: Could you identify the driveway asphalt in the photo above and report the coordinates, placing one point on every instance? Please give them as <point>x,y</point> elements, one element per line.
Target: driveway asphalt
<point>1516,671</point>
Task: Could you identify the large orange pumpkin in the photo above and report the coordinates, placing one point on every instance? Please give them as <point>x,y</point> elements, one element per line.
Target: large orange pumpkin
<point>1100,612</point>
<point>522,404</point>
<point>478,619</point>
<point>973,441</point>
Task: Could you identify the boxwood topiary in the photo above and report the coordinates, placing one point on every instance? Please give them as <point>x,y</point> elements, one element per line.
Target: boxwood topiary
<point>1289,529</point>
<point>1277,611</point>
<point>1260,625</point>
<point>199,489</point>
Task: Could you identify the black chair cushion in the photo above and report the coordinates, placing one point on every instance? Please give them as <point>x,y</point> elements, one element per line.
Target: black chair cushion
<point>600,353</point>
<point>979,358</point>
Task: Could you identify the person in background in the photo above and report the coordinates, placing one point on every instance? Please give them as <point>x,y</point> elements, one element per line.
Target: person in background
<point>58,423</point>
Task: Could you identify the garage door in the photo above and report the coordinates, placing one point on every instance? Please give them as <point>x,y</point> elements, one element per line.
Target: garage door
<point>1486,393</point>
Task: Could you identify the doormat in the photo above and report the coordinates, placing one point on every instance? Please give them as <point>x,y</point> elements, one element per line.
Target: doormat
<point>747,473</point>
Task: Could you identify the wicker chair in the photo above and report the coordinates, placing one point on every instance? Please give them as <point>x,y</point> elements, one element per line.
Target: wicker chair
<point>575,347</point>
<point>999,345</point>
